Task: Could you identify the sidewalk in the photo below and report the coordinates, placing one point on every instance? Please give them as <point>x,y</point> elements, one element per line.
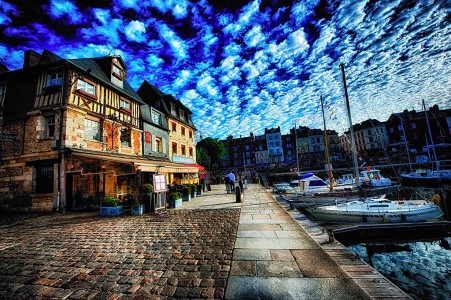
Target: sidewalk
<point>280,254</point>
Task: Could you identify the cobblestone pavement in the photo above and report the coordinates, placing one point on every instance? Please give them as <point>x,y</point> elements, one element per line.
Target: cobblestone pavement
<point>176,254</point>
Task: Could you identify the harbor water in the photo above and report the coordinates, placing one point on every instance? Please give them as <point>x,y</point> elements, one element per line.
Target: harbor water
<point>421,269</point>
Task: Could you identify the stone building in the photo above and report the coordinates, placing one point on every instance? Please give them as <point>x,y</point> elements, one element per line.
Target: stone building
<point>75,133</point>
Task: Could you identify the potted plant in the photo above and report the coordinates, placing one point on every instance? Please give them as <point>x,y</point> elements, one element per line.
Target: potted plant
<point>175,199</point>
<point>136,206</point>
<point>186,192</point>
<point>146,196</point>
<point>199,189</point>
<point>193,190</point>
<point>111,207</point>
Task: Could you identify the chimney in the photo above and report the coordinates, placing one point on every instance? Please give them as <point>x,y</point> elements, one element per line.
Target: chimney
<point>31,58</point>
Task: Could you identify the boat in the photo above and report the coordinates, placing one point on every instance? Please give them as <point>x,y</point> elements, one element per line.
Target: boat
<point>425,178</point>
<point>373,178</point>
<point>377,210</point>
<point>308,183</point>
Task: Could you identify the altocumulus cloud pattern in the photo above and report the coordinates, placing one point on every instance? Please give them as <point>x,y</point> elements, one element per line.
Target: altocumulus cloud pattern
<point>242,66</point>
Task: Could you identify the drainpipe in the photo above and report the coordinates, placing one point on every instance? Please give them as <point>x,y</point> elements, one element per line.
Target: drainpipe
<point>60,141</point>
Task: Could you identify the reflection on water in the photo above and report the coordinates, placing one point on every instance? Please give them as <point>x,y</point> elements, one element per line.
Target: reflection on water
<point>421,269</point>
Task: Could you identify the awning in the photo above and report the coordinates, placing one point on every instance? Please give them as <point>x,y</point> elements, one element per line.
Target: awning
<point>141,164</point>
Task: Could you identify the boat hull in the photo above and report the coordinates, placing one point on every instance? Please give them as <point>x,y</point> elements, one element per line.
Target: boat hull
<point>427,213</point>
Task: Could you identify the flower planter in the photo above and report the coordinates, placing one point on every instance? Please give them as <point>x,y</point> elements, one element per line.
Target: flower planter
<point>137,210</point>
<point>187,197</point>
<point>199,190</point>
<point>110,211</point>
<point>175,203</point>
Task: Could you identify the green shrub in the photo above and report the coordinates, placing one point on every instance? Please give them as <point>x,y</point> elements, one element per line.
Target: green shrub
<point>175,195</point>
<point>134,201</point>
<point>186,190</point>
<point>111,201</point>
<point>147,188</point>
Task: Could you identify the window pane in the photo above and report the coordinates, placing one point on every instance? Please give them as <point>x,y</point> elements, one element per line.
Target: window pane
<point>44,179</point>
<point>92,130</point>
<point>50,126</point>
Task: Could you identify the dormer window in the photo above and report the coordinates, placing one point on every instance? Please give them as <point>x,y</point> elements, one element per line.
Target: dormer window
<point>54,81</point>
<point>118,72</point>
<point>117,75</point>
<point>54,78</point>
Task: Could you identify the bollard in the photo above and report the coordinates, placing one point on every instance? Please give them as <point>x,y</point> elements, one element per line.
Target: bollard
<point>240,183</point>
<point>330,233</point>
<point>291,204</point>
<point>239,195</point>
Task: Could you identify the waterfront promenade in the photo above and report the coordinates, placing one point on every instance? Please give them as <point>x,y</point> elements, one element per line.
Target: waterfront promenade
<point>209,248</point>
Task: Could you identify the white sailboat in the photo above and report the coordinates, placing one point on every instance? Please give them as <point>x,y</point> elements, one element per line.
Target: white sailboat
<point>377,210</point>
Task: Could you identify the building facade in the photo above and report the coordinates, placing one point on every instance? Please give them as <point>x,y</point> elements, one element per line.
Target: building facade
<point>75,134</point>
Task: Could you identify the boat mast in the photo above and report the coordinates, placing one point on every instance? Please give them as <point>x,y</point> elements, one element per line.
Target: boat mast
<point>351,130</point>
<point>430,134</point>
<point>296,144</point>
<point>326,140</point>
<point>406,144</point>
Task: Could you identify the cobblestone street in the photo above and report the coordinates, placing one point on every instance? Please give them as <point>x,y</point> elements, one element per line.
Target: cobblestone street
<point>177,254</point>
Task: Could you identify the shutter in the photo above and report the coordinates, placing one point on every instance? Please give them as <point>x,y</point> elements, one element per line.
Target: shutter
<point>163,142</point>
<point>153,146</point>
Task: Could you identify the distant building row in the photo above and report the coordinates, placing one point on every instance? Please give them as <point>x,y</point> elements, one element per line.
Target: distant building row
<point>402,137</point>
<point>73,131</point>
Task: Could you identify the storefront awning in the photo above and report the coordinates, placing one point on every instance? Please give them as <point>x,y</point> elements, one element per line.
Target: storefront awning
<point>139,163</point>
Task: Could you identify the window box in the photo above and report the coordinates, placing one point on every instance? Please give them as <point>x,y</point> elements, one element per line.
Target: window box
<point>86,94</point>
<point>52,88</point>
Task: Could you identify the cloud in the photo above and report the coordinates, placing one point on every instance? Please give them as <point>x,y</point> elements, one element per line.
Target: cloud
<point>254,36</point>
<point>7,11</point>
<point>135,30</point>
<point>108,29</point>
<point>67,9</point>
<point>177,45</point>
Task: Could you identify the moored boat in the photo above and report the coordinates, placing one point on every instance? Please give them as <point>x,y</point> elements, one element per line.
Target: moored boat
<point>377,210</point>
<point>425,178</point>
<point>373,178</point>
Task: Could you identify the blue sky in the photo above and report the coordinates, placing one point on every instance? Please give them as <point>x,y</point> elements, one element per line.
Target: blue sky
<point>243,66</point>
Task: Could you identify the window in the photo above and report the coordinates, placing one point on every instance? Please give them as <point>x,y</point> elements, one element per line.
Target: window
<point>92,130</point>
<point>190,151</point>
<point>158,144</point>
<point>156,117</point>
<point>183,150</point>
<point>118,72</point>
<point>126,137</point>
<point>173,112</point>
<point>50,126</point>
<point>190,134</point>
<point>182,114</point>
<point>174,127</point>
<point>174,148</point>
<point>183,130</point>
<point>86,87</point>
<point>124,104</point>
<point>54,78</point>
<point>43,183</point>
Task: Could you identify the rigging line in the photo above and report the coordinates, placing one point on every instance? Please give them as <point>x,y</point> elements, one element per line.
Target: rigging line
<point>380,143</point>
<point>439,125</point>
